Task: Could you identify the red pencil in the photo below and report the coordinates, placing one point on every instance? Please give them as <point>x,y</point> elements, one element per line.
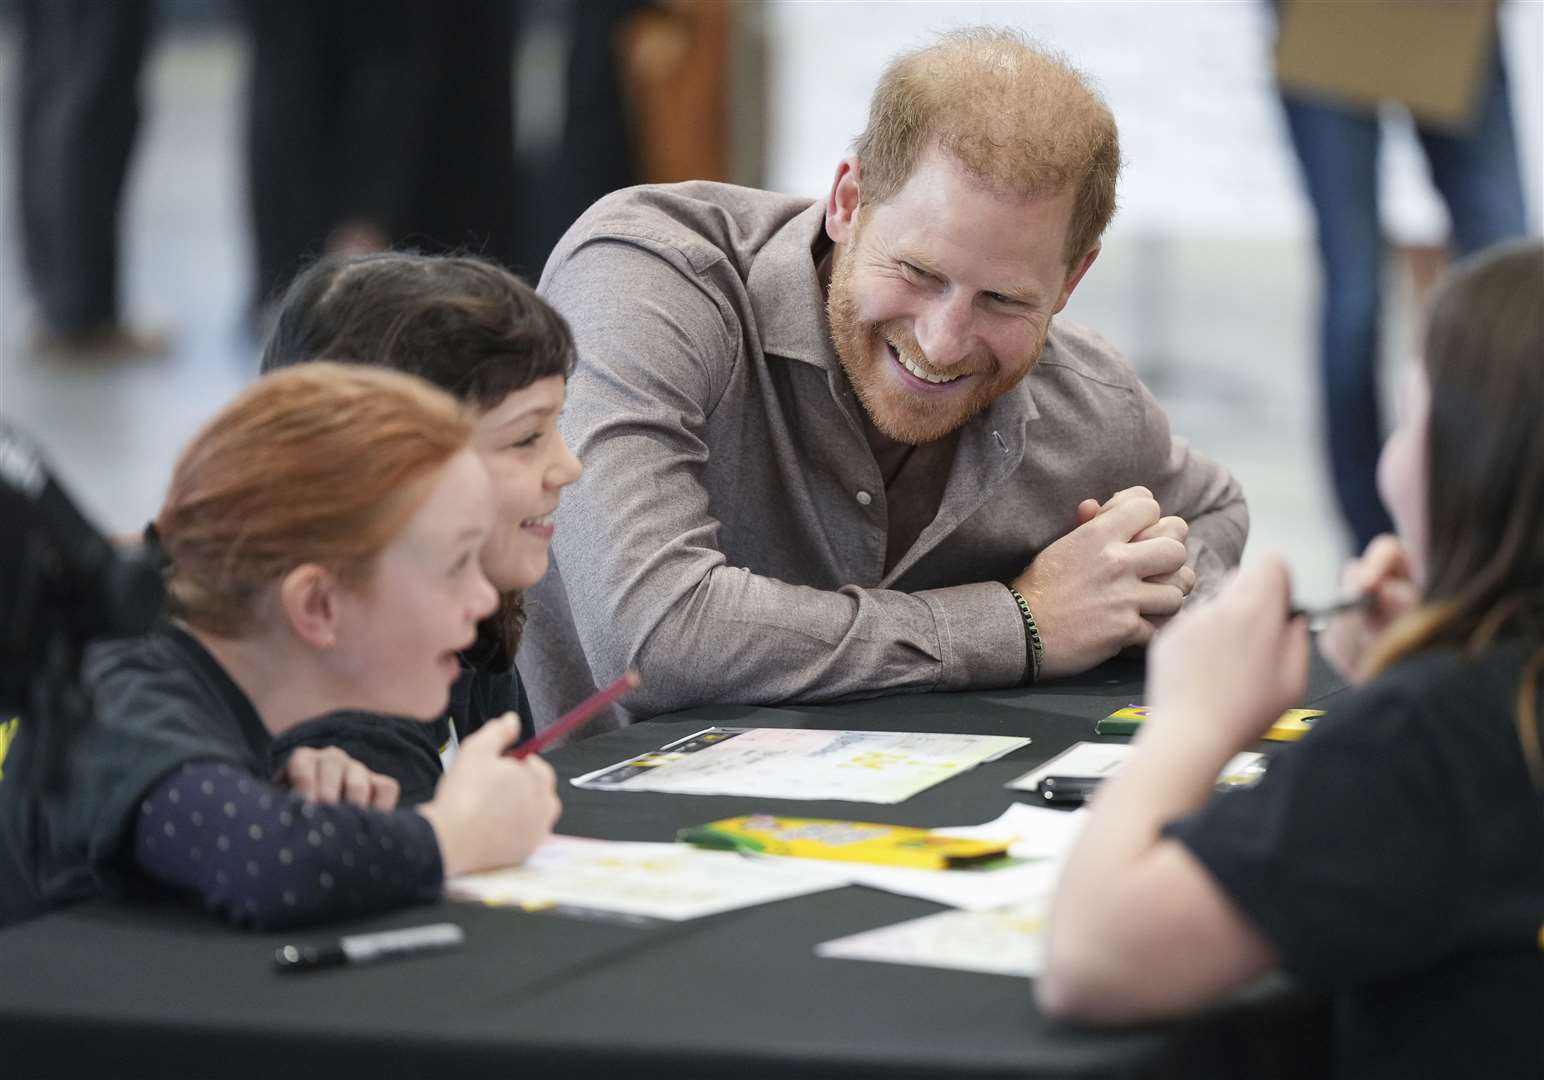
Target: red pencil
<point>579,714</point>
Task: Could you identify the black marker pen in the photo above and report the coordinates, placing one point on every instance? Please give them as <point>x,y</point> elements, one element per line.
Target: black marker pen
<point>364,948</point>
<point>1067,789</point>
<point>1318,618</point>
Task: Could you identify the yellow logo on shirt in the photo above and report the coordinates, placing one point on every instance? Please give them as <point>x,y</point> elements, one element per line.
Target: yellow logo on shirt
<point>7,736</point>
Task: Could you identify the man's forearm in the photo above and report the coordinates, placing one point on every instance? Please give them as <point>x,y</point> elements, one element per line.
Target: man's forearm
<point>734,636</point>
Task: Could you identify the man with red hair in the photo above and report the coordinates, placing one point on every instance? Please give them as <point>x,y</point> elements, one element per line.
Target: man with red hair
<point>837,448</point>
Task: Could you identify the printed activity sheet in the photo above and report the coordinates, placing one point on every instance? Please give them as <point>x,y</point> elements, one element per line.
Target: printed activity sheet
<point>1103,760</point>
<point>1004,941</point>
<point>1039,839</point>
<point>794,763</point>
<point>660,881</point>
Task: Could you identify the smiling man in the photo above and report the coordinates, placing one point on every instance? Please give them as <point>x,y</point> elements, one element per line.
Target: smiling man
<point>839,448</point>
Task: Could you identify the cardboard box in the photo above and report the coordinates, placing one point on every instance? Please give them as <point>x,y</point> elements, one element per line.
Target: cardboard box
<point>1429,55</point>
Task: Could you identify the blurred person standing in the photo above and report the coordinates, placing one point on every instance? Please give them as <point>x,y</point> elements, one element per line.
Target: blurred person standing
<point>596,152</point>
<point>378,123</point>
<point>627,92</point>
<point>1336,136</point>
<point>80,112</point>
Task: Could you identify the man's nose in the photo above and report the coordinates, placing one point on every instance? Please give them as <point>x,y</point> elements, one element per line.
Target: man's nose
<point>946,331</point>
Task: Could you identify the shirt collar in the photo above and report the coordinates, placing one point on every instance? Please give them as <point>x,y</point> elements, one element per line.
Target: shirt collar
<point>785,291</point>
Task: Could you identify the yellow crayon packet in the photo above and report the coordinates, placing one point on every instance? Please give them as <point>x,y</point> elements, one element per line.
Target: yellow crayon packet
<point>845,841</point>
<point>1289,726</point>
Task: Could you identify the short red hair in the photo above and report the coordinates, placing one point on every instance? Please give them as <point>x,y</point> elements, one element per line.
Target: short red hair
<point>322,463</point>
<point>1017,118</point>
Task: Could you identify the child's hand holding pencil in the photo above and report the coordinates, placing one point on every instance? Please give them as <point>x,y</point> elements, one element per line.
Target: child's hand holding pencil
<point>1385,576</point>
<point>578,715</point>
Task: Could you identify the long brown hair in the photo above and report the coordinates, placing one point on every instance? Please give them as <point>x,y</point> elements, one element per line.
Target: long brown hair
<point>320,464</point>
<point>1485,473</point>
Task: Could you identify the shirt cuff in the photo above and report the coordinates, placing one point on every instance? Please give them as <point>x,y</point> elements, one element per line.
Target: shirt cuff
<point>980,636</point>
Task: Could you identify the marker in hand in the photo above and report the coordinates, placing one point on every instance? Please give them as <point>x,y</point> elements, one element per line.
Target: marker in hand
<point>1317,617</point>
<point>578,715</point>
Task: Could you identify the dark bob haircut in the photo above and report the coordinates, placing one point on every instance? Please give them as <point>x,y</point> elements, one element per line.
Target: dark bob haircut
<point>465,324</point>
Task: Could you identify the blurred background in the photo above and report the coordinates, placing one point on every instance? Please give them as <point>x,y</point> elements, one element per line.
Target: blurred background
<point>269,130</point>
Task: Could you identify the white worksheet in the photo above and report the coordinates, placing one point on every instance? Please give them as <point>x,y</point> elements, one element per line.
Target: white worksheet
<point>795,763</point>
<point>659,881</point>
<point>1102,760</point>
<point>1002,941</point>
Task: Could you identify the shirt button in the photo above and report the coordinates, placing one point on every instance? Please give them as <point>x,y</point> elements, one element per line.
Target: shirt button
<point>864,498</point>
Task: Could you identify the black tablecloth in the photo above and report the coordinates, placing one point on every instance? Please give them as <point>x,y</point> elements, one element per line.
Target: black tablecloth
<point>109,989</point>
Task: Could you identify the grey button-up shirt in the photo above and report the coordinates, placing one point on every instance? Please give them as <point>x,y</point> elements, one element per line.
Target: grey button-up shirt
<point>728,537</point>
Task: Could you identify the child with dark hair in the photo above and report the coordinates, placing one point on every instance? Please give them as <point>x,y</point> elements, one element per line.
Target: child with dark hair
<point>1394,858</point>
<point>478,332</point>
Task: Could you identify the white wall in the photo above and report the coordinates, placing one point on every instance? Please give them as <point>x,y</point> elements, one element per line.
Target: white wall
<point>1189,83</point>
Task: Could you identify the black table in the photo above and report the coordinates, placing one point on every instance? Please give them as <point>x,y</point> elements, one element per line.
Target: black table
<point>111,989</point>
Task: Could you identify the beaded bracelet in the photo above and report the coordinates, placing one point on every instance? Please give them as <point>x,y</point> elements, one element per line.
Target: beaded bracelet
<point>1034,651</point>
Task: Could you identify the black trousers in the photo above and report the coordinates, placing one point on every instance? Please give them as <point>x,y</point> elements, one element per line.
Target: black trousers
<point>398,113</point>
<point>598,154</point>
<point>80,110</point>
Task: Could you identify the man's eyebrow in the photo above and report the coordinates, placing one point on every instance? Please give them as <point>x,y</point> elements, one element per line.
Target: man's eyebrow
<point>1022,294</point>
<point>1028,294</point>
<point>919,261</point>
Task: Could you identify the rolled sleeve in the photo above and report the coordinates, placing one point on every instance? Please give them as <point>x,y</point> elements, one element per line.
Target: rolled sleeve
<point>980,636</point>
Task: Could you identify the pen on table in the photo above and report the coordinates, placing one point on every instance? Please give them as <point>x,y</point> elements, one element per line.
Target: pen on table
<point>578,715</point>
<point>1067,789</point>
<point>364,948</point>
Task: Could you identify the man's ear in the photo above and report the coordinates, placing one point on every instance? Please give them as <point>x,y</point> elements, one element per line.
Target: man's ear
<point>842,204</point>
<point>308,596</point>
<point>1078,270</point>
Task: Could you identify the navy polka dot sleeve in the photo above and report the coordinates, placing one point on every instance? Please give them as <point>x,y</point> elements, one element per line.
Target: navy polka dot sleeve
<point>265,857</point>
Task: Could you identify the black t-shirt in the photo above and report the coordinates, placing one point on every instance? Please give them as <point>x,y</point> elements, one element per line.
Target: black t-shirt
<point>160,701</point>
<point>1395,858</point>
<point>407,750</point>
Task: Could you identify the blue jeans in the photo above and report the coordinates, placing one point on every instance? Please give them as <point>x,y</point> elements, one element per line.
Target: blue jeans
<point>1476,173</point>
